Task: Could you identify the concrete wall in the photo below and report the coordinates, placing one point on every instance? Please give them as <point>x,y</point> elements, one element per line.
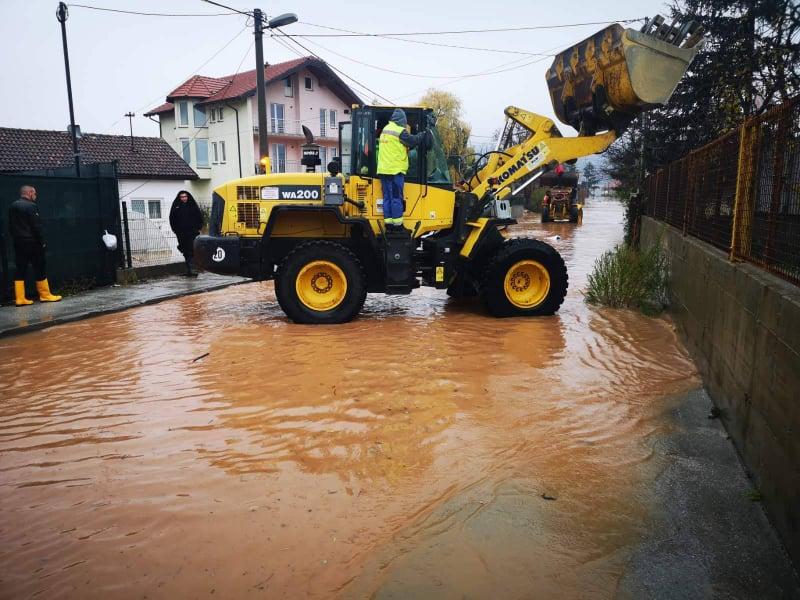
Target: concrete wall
<point>742,325</point>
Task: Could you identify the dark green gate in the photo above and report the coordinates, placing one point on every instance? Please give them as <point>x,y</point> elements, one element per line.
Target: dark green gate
<point>74,212</point>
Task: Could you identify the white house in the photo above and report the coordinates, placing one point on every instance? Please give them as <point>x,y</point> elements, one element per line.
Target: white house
<point>213,121</point>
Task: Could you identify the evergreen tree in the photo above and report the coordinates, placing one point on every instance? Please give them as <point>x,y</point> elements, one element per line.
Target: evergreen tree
<point>750,63</point>
<point>590,176</point>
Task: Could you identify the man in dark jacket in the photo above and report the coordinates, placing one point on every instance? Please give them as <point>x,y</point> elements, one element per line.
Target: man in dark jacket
<point>29,246</point>
<point>186,220</point>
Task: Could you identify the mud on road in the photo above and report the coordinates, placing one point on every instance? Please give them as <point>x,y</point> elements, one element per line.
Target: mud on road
<point>206,445</point>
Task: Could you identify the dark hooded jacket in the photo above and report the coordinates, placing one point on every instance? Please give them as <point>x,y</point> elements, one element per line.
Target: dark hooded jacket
<point>185,218</point>
<point>408,140</point>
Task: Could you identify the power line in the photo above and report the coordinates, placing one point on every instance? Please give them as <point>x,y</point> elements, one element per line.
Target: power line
<point>284,44</point>
<point>230,8</point>
<point>384,68</point>
<point>484,73</point>
<point>462,31</point>
<point>212,57</point>
<point>149,14</point>
<point>314,54</point>
<point>427,43</point>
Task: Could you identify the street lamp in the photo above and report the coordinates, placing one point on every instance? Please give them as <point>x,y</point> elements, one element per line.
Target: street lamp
<point>261,92</point>
<point>282,20</point>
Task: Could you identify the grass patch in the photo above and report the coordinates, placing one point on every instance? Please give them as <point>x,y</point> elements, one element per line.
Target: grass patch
<point>73,287</point>
<point>628,278</point>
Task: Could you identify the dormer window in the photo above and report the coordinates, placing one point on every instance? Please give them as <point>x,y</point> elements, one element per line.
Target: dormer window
<point>309,84</point>
<point>287,87</point>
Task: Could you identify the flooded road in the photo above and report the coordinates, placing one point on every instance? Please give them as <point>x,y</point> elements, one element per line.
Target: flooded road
<point>207,446</point>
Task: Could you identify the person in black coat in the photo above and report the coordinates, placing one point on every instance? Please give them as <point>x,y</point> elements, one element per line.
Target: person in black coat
<point>29,246</point>
<point>186,220</point>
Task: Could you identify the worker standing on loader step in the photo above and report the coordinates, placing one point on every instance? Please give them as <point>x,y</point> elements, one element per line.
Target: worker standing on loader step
<point>28,238</point>
<point>394,144</point>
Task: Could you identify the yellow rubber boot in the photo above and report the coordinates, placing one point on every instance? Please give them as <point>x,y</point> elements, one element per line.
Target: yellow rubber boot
<point>19,294</point>
<point>44,292</point>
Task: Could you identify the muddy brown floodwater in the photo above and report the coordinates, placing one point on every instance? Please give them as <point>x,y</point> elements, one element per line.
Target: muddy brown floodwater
<point>423,450</point>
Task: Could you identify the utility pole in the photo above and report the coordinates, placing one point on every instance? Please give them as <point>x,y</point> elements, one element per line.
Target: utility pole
<point>261,91</point>
<point>130,116</point>
<point>61,14</point>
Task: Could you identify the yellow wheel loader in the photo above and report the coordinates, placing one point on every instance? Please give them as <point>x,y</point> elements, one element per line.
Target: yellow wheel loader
<point>321,237</point>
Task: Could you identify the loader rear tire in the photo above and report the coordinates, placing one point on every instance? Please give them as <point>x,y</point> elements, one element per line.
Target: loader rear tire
<point>546,215</point>
<point>320,283</point>
<point>525,277</point>
<point>575,214</point>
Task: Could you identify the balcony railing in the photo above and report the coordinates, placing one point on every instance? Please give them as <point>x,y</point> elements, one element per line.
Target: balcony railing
<point>291,127</point>
<point>285,166</point>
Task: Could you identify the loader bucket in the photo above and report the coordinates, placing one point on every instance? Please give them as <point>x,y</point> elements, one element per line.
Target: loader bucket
<point>607,79</point>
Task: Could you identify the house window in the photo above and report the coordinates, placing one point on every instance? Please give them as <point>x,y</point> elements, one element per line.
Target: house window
<point>214,156</point>
<point>332,114</point>
<point>279,158</point>
<point>323,122</point>
<point>200,118</point>
<point>154,209</point>
<point>137,205</point>
<point>309,83</point>
<point>213,116</point>
<point>201,150</point>
<point>183,114</point>
<point>186,151</point>
<point>219,114</point>
<point>276,118</point>
<point>287,87</point>
<point>222,158</point>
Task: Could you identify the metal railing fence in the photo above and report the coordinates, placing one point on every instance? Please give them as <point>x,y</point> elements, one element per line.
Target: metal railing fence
<point>740,193</point>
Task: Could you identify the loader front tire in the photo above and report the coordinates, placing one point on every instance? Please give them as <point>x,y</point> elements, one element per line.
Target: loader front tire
<point>525,277</point>
<point>320,283</point>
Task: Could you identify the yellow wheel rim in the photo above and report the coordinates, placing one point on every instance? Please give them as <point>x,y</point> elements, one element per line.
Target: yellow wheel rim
<point>321,285</point>
<point>526,284</point>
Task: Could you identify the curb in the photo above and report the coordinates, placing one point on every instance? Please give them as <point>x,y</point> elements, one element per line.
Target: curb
<point>112,309</point>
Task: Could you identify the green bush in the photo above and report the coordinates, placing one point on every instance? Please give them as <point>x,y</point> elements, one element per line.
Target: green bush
<point>628,278</point>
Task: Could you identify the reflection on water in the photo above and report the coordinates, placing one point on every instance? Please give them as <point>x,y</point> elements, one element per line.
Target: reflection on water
<point>206,445</point>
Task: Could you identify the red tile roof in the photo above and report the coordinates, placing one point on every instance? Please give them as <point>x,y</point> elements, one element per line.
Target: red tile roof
<point>242,84</point>
<point>35,149</point>
<point>216,89</point>
<point>198,86</point>
<point>166,107</point>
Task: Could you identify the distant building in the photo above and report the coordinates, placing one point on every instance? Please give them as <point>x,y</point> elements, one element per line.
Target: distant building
<point>149,171</point>
<point>213,121</point>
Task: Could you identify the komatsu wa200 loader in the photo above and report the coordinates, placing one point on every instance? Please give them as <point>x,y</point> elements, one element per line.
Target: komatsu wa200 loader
<point>320,236</point>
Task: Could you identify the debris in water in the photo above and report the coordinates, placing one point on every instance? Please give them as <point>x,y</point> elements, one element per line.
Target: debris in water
<point>714,413</point>
<point>546,497</point>
<point>201,356</point>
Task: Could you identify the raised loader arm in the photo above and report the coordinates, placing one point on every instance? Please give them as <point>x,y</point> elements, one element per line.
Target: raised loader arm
<point>508,170</point>
<point>597,85</point>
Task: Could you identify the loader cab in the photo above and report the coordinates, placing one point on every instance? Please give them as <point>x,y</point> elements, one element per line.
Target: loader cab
<point>358,146</point>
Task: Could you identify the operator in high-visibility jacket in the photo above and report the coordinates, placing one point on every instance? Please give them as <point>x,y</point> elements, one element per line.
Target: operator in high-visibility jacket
<point>393,147</point>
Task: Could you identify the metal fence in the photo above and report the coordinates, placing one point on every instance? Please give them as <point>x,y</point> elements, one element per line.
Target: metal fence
<point>740,193</point>
<point>147,242</point>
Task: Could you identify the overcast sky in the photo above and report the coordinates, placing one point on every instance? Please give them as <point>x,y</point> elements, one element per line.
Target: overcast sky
<point>122,62</point>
